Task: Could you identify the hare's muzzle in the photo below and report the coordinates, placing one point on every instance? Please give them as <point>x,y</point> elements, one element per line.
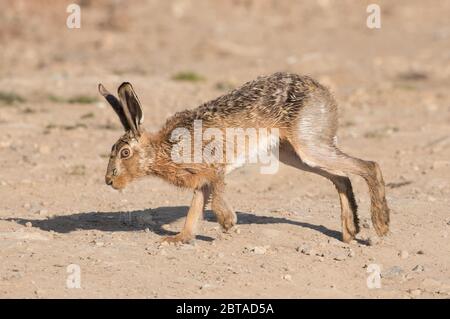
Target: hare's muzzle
<point>108,180</point>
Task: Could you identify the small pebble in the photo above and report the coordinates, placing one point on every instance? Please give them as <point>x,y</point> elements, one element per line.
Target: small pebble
<point>164,243</point>
<point>28,224</point>
<point>287,277</point>
<point>418,268</point>
<point>403,254</point>
<point>259,250</point>
<point>307,250</point>
<point>339,257</point>
<point>420,252</point>
<point>147,230</point>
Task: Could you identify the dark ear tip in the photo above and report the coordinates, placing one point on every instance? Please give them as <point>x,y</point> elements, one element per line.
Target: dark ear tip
<point>125,84</point>
<point>102,89</point>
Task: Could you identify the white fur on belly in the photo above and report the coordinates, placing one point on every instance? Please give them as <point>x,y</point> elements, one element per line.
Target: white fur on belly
<point>266,145</point>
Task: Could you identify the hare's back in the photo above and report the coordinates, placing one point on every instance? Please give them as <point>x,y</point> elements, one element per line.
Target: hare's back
<point>277,97</point>
<point>268,101</point>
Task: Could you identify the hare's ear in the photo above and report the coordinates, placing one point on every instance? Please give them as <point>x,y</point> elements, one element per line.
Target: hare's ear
<point>116,105</point>
<point>131,106</point>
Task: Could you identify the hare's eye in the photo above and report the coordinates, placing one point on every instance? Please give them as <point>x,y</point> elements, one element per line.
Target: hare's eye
<point>125,153</point>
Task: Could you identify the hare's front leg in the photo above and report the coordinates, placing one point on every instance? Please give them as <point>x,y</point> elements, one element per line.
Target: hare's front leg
<point>187,234</point>
<point>226,217</point>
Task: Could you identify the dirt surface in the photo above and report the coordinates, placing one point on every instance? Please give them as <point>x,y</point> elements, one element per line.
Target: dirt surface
<point>392,86</point>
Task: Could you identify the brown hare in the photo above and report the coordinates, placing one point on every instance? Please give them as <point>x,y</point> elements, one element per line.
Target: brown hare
<point>303,111</point>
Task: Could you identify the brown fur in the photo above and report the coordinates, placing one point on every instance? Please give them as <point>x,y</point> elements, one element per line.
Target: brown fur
<point>302,109</point>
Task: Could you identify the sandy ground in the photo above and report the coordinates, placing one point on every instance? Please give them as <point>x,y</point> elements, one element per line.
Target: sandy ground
<point>55,210</point>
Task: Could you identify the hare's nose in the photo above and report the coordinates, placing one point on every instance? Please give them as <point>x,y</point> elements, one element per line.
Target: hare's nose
<point>108,180</point>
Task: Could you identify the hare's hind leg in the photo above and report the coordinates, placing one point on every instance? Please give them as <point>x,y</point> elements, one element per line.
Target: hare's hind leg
<point>314,140</point>
<point>338,163</point>
<point>349,216</point>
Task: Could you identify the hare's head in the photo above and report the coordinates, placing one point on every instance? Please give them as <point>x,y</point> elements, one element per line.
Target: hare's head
<point>132,150</point>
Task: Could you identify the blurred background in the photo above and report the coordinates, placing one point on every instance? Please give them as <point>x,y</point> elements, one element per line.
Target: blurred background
<point>391,84</point>
<point>228,41</point>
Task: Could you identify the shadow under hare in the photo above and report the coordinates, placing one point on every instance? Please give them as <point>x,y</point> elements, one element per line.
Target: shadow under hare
<point>298,108</point>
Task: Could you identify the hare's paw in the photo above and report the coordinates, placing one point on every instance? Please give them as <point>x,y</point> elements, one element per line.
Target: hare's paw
<point>380,218</point>
<point>181,238</point>
<point>227,221</point>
